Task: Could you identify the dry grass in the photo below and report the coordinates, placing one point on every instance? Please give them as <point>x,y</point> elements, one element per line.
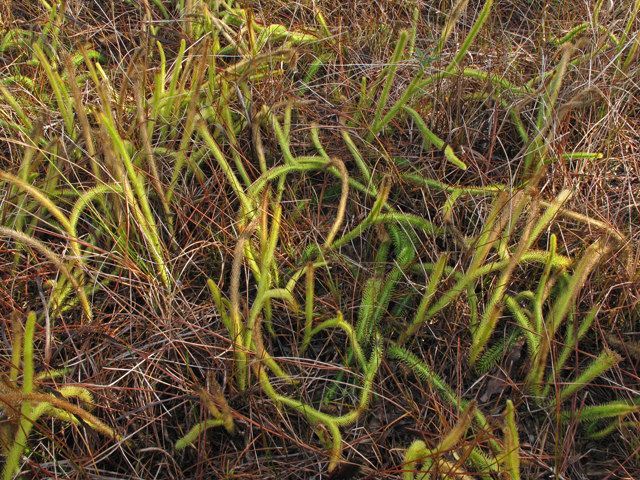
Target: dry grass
<point>150,343</point>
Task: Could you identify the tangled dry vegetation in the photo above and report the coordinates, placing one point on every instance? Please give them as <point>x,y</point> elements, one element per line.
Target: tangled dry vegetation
<point>329,239</point>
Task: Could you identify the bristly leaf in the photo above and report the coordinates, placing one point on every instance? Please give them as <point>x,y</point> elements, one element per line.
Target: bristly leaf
<point>491,357</point>
<point>616,408</point>
<point>511,443</point>
<point>605,361</point>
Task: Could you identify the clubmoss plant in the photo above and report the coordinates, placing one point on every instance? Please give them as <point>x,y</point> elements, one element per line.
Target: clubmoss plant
<point>221,418</point>
<point>23,406</point>
<point>491,251</point>
<point>350,217</point>
<point>432,460</point>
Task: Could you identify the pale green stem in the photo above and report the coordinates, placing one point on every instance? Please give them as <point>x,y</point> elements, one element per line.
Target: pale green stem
<point>308,325</point>
<point>236,319</point>
<point>362,166</point>
<point>418,320</point>
<point>247,204</point>
<point>484,14</point>
<point>143,211</point>
<point>431,137</point>
<point>342,206</point>
<point>339,322</point>
<point>390,76</point>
